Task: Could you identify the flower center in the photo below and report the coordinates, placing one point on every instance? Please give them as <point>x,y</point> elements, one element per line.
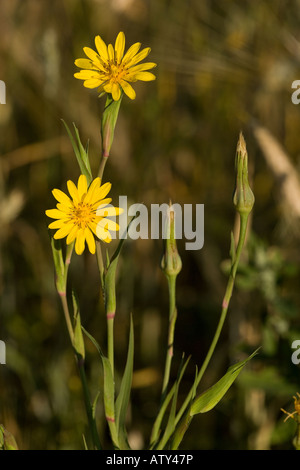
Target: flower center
<point>116,71</point>
<point>83,215</point>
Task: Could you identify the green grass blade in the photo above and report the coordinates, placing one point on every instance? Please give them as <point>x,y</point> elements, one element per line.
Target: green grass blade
<point>125,388</point>
<point>80,153</point>
<point>171,423</point>
<point>211,397</point>
<point>184,423</point>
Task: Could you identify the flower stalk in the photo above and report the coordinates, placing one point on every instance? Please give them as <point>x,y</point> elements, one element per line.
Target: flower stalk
<point>243,201</point>
<point>171,265</point>
<point>61,275</point>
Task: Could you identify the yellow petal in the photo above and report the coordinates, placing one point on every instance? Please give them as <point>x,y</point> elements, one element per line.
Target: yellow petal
<point>101,48</point>
<point>119,46</point>
<point>80,242</point>
<point>103,234</point>
<point>92,83</point>
<point>90,240</point>
<point>66,209</point>
<point>55,214</point>
<point>145,76</point>
<point>82,186</point>
<point>63,231</point>
<point>116,91</point>
<point>90,194</point>
<point>128,90</point>
<point>73,191</point>
<point>100,202</point>
<point>56,224</point>
<point>62,197</point>
<point>140,56</point>
<point>72,235</point>
<point>102,191</point>
<point>107,87</point>
<point>108,224</point>
<point>111,52</point>
<point>109,211</point>
<point>84,63</point>
<point>142,67</point>
<point>91,54</point>
<point>87,74</point>
<point>131,52</point>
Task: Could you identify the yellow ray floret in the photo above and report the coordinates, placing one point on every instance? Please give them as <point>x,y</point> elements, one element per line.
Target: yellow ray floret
<point>84,214</point>
<point>110,70</point>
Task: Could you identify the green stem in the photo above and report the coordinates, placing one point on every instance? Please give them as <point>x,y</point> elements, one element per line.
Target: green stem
<point>100,263</point>
<point>225,305</point>
<point>64,302</point>
<point>102,166</point>
<point>79,360</point>
<point>171,330</point>
<point>110,316</point>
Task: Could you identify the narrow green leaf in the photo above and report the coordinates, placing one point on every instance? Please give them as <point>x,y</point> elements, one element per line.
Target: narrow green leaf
<point>83,153</point>
<point>125,388</point>
<point>84,442</point>
<point>80,153</point>
<point>184,423</point>
<point>92,339</point>
<point>94,405</point>
<point>157,424</point>
<point>78,338</point>
<point>211,397</point>
<point>110,276</point>
<point>108,391</point>
<point>59,264</point>
<point>7,440</point>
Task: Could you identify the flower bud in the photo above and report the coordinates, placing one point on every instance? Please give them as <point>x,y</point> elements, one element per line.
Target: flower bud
<point>243,198</point>
<point>171,262</point>
<point>108,124</point>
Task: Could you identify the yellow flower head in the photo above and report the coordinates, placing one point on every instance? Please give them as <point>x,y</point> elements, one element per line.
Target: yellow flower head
<point>84,214</point>
<point>111,70</point>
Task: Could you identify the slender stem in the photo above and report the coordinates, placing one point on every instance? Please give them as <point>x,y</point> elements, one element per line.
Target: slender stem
<point>110,316</point>
<point>79,359</point>
<point>225,305</point>
<point>65,307</point>
<point>171,330</point>
<point>80,364</point>
<point>102,165</point>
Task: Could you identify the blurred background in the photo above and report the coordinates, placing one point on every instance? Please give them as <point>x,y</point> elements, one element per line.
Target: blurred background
<point>222,67</point>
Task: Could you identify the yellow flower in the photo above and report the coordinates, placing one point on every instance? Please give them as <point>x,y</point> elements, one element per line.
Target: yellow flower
<point>84,214</point>
<point>111,70</point>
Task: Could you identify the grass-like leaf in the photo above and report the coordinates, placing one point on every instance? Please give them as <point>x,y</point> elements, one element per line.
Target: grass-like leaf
<point>211,397</point>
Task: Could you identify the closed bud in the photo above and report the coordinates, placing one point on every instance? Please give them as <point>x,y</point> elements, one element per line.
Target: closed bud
<point>108,124</point>
<point>243,198</point>
<point>171,262</point>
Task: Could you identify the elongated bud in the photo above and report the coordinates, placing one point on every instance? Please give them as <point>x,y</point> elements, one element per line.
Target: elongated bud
<point>243,198</point>
<point>108,124</point>
<point>171,262</point>
<point>7,440</point>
